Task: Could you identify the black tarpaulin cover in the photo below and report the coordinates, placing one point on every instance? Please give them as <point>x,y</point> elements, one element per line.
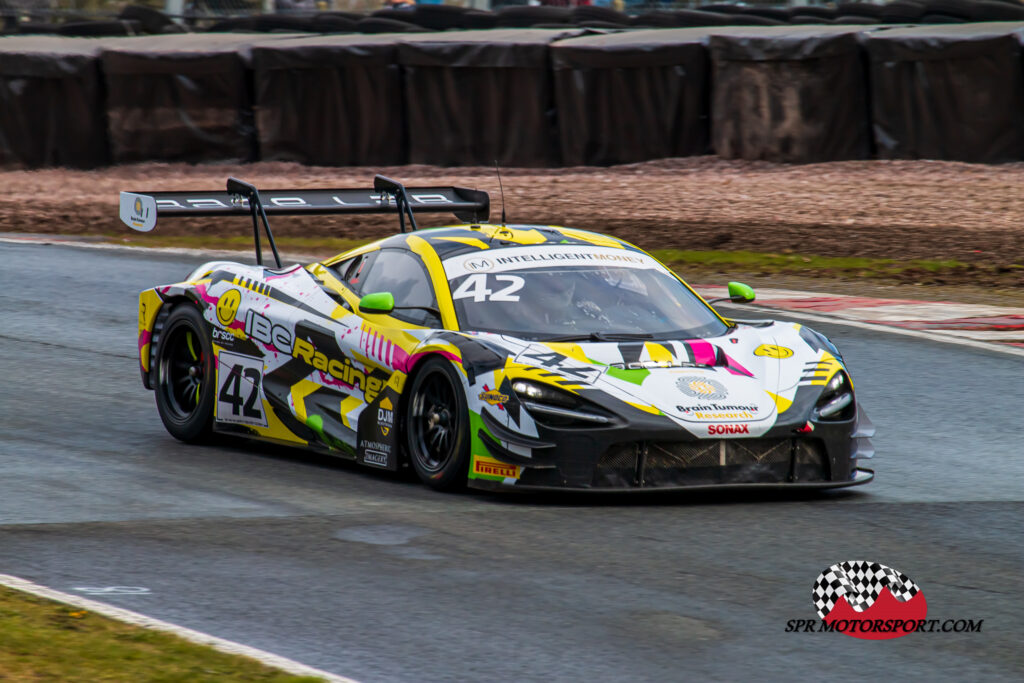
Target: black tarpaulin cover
<point>473,97</point>
<point>790,94</point>
<point>632,96</point>
<point>51,102</point>
<point>330,100</point>
<point>181,97</point>
<point>948,92</point>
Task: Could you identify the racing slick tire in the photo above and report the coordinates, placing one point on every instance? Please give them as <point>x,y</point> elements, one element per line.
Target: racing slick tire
<point>437,428</point>
<point>184,375</point>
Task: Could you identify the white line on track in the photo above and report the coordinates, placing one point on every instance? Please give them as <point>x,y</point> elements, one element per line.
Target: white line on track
<point>774,312</point>
<point>136,619</point>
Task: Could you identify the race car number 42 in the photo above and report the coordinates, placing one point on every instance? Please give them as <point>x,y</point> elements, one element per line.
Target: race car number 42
<point>239,389</point>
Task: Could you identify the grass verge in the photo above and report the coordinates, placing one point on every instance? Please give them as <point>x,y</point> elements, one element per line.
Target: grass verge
<point>42,640</point>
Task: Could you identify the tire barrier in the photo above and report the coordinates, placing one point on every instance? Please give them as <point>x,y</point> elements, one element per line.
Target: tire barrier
<point>792,95</point>
<point>330,100</point>
<point>635,96</point>
<point>476,97</point>
<point>52,103</point>
<point>524,97</point>
<point>949,92</point>
<point>179,98</point>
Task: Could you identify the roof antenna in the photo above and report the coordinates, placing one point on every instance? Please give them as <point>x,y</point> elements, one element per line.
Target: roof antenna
<point>498,171</point>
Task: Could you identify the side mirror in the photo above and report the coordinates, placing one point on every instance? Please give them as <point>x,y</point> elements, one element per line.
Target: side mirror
<point>739,293</point>
<point>377,302</point>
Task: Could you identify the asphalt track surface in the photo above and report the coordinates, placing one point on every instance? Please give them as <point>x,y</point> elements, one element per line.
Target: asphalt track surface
<point>375,577</point>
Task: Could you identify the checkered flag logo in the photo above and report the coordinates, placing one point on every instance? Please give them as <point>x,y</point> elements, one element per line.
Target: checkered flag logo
<point>860,583</point>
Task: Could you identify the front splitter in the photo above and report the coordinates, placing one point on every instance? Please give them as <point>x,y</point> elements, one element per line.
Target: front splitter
<point>861,476</point>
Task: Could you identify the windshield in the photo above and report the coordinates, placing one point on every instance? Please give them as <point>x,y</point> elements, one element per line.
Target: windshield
<point>575,292</point>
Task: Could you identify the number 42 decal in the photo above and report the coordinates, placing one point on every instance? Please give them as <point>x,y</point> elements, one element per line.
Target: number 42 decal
<point>239,398</point>
<point>475,286</point>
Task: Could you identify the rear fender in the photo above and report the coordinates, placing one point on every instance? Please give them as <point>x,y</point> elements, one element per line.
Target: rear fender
<point>154,305</point>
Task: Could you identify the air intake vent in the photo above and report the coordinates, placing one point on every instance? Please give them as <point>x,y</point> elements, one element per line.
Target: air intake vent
<point>737,461</point>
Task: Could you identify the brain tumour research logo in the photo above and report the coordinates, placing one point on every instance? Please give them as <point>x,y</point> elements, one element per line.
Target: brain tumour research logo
<point>702,387</point>
<point>869,600</point>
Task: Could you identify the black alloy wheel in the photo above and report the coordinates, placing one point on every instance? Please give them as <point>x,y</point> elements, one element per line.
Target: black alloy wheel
<point>437,430</point>
<point>184,375</point>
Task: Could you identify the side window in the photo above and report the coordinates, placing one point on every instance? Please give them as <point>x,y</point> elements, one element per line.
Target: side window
<point>353,271</point>
<point>339,269</point>
<point>404,276</point>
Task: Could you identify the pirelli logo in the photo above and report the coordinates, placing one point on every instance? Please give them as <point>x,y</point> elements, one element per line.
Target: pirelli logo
<point>493,468</point>
<point>253,285</point>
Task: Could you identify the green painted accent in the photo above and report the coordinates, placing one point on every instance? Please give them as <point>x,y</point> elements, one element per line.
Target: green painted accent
<point>377,302</point>
<point>316,423</point>
<point>477,447</point>
<point>565,242</point>
<point>191,349</point>
<point>738,290</point>
<point>633,376</point>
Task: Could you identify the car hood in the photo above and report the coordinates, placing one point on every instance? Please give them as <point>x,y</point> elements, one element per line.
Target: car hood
<point>746,377</point>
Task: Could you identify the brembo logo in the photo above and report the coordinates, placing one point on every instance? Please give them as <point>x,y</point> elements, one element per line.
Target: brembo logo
<point>728,429</point>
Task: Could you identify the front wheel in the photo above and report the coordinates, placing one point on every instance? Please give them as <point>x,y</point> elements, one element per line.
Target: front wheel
<point>437,430</point>
<point>184,375</point>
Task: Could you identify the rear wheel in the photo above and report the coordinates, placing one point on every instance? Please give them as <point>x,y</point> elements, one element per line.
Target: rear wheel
<point>437,429</point>
<point>184,375</point>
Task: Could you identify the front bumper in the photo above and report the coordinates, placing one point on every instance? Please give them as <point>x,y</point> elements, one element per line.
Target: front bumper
<point>645,453</point>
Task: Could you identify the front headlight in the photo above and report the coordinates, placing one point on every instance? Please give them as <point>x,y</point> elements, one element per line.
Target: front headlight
<point>836,402</point>
<point>558,408</point>
<point>532,391</point>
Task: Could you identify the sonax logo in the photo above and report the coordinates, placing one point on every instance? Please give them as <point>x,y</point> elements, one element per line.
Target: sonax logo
<point>728,429</point>
<point>868,600</point>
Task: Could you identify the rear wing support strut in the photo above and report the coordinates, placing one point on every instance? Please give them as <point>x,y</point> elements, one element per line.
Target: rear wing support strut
<point>394,188</point>
<point>239,190</point>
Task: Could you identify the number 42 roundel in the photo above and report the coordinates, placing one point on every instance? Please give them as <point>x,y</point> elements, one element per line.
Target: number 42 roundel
<point>239,389</point>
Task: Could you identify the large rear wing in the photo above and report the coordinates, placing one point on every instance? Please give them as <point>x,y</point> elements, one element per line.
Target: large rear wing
<point>140,210</point>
